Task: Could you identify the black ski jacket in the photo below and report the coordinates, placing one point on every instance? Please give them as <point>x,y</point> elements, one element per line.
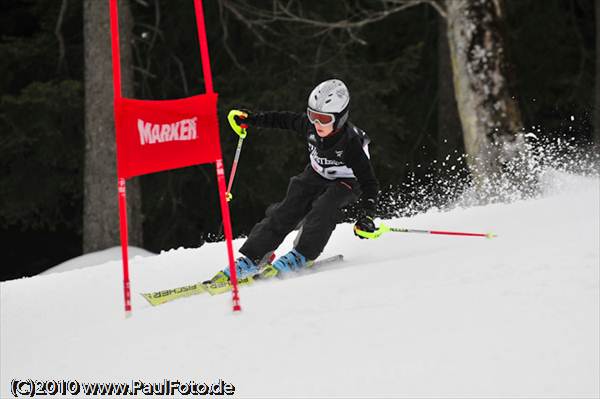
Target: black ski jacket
<point>339,156</point>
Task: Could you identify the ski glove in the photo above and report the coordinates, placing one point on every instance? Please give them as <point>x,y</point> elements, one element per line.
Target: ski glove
<point>241,120</point>
<point>365,220</point>
<point>364,223</point>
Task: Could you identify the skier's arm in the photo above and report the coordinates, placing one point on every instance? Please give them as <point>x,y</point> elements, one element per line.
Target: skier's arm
<point>277,120</point>
<point>357,160</point>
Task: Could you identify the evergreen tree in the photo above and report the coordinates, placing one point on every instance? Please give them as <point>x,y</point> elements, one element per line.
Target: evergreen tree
<point>597,92</point>
<point>100,211</point>
<point>490,116</point>
<point>449,136</point>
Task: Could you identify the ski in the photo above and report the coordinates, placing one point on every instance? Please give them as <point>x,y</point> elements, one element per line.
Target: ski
<point>160,297</point>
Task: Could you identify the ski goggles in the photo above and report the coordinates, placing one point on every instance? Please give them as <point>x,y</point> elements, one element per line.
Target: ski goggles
<point>324,118</point>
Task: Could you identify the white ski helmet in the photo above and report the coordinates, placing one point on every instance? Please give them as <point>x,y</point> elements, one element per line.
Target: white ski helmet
<point>328,103</point>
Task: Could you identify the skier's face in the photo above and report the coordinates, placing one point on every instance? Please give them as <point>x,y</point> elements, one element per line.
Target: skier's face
<point>323,131</point>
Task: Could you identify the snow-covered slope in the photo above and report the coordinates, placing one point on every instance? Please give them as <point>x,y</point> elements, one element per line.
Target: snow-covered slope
<point>404,315</point>
<point>95,258</point>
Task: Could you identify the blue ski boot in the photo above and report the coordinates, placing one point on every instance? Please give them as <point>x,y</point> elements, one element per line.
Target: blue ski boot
<point>292,261</point>
<point>244,268</point>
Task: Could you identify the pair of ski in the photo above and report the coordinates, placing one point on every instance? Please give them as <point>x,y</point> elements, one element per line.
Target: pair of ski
<point>215,288</point>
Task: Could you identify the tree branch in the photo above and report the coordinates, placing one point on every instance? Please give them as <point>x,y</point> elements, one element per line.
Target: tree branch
<point>358,16</point>
<point>182,73</point>
<point>224,27</point>
<point>59,36</point>
<point>440,7</point>
<point>371,17</point>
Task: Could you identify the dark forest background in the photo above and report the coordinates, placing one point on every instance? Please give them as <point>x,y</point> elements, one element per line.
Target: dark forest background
<point>392,68</point>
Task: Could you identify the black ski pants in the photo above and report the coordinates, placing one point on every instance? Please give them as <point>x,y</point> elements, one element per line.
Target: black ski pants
<point>311,199</point>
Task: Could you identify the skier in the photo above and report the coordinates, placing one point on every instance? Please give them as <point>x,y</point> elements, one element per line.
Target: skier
<point>338,174</point>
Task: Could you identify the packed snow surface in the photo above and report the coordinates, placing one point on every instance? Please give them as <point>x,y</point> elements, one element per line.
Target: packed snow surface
<point>95,258</point>
<point>406,315</point>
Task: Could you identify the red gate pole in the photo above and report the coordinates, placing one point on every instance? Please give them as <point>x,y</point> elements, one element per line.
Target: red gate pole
<point>219,162</point>
<point>228,235</point>
<point>116,62</point>
<point>124,245</point>
<point>208,84</point>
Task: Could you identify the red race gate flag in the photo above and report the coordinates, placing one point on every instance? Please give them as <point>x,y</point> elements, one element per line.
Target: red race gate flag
<point>153,136</point>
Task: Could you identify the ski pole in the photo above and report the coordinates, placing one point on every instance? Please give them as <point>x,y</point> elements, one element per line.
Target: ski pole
<point>240,130</point>
<point>386,229</point>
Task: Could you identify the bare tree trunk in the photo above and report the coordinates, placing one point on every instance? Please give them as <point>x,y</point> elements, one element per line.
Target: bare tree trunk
<point>100,213</point>
<point>449,128</point>
<point>490,118</point>
<point>597,99</point>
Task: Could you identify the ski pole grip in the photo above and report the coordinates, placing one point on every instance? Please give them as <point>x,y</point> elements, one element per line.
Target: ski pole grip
<point>376,234</point>
<point>239,130</point>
